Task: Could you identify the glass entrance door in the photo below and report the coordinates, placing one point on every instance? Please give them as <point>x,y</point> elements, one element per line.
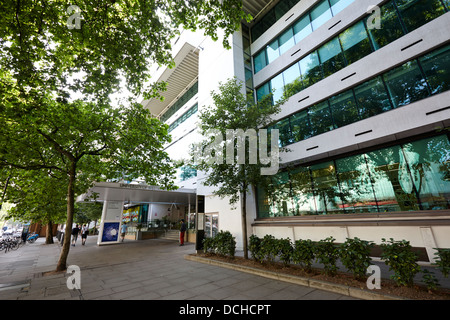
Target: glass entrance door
<point>211,225</point>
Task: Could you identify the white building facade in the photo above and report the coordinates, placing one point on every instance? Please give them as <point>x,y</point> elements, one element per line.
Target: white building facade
<point>366,119</point>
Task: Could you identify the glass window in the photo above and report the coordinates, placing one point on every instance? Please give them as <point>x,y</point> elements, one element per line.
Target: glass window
<point>277,87</point>
<point>248,78</point>
<point>272,51</point>
<point>302,192</point>
<point>262,91</point>
<point>429,162</point>
<point>300,126</point>
<point>320,118</point>
<point>310,69</point>
<point>391,28</point>
<point>344,109</point>
<point>286,40</point>
<point>281,195</point>
<point>356,186</point>
<point>391,180</point>
<point>338,5</point>
<point>406,84</point>
<point>436,67</point>
<point>264,203</point>
<point>260,61</point>
<point>281,8</point>
<point>292,81</point>
<point>284,132</point>
<point>355,42</point>
<point>302,28</point>
<point>331,58</point>
<point>326,188</point>
<point>416,13</point>
<point>320,14</point>
<point>372,98</point>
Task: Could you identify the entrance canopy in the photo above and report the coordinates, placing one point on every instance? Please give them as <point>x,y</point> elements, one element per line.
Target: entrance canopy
<point>139,193</point>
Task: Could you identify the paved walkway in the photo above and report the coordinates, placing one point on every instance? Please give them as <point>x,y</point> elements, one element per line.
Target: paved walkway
<point>147,270</point>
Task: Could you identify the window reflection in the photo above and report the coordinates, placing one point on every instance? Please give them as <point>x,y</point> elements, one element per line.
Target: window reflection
<point>410,177</point>
<point>326,189</point>
<point>356,186</point>
<point>392,28</point>
<point>331,57</point>
<point>397,87</point>
<point>429,162</point>
<point>436,66</point>
<point>391,180</point>
<point>416,13</point>
<point>343,108</point>
<point>372,98</point>
<point>320,14</point>
<point>320,118</point>
<point>355,43</point>
<point>406,84</point>
<point>300,126</point>
<point>302,192</point>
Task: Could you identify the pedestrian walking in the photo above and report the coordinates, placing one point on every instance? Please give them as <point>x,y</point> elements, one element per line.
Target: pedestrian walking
<point>75,232</point>
<point>182,232</point>
<point>123,230</point>
<point>84,234</point>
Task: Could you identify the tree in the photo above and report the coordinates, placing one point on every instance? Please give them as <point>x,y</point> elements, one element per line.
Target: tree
<point>37,197</point>
<point>85,212</point>
<point>233,111</point>
<point>60,64</point>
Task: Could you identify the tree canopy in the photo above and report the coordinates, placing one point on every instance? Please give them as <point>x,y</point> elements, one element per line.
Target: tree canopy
<point>59,65</point>
<point>231,171</point>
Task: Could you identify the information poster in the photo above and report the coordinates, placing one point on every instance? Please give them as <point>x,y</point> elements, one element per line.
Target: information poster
<point>110,231</point>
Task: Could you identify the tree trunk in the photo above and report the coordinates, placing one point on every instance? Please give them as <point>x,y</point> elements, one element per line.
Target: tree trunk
<point>244,221</point>
<point>49,233</point>
<point>61,266</point>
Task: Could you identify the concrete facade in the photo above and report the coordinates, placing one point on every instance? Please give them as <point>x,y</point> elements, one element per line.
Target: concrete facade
<point>424,229</point>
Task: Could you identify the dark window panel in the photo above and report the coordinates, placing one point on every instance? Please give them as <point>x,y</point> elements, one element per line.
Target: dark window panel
<point>344,109</point>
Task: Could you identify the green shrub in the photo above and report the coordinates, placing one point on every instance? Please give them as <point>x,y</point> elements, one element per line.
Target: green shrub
<point>225,243</point>
<point>285,250</point>
<point>209,245</point>
<point>222,244</point>
<point>255,248</point>
<point>400,258</point>
<point>355,256</point>
<point>430,279</point>
<point>269,248</point>
<point>443,261</point>
<point>327,253</point>
<point>304,253</point>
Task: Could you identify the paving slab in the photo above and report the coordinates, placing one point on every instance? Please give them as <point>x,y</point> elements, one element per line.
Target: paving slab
<point>154,269</point>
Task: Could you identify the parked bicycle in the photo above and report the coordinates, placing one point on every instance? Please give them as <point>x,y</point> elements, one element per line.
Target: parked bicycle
<point>9,243</point>
<point>32,237</point>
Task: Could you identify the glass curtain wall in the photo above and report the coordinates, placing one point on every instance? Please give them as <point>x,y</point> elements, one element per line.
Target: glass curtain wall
<point>302,27</point>
<point>350,45</point>
<point>410,177</point>
<point>410,82</point>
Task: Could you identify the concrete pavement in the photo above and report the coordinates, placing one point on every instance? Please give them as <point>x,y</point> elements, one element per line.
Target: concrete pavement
<point>145,270</point>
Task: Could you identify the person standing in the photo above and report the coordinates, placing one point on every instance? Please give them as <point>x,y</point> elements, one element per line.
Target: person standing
<point>84,234</point>
<point>182,232</point>
<point>123,230</point>
<point>75,232</point>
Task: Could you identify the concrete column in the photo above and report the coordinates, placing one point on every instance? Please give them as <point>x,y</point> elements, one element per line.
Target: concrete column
<point>429,242</point>
<point>109,232</point>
